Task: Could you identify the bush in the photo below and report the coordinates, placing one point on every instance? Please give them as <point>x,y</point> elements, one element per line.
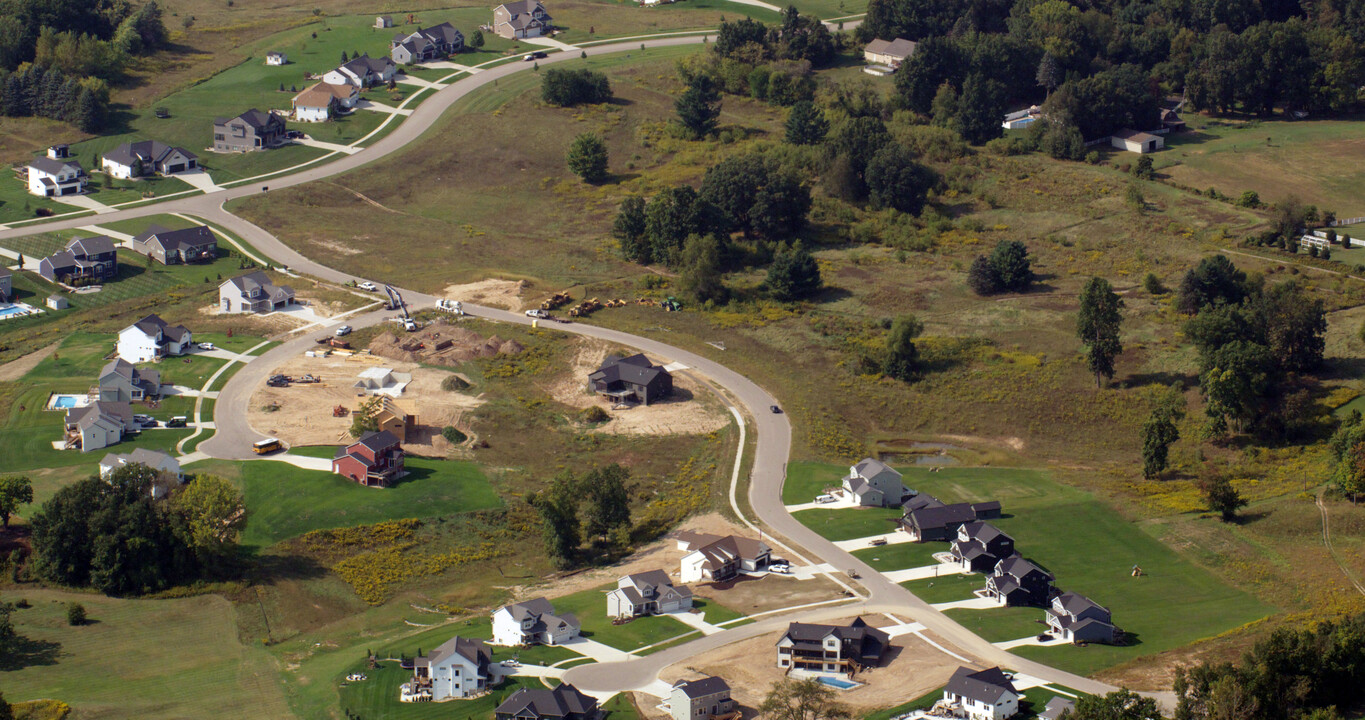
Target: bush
<point>594,415</point>
<point>75,614</point>
<point>452,383</point>
<point>1249,199</point>
<point>566,88</point>
<point>1152,284</point>
<point>453,434</point>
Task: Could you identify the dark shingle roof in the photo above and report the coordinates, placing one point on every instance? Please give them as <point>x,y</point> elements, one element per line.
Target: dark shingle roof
<point>196,236</point>
<point>987,686</point>
<point>634,369</point>
<point>97,245</point>
<point>703,687</point>
<point>941,516</point>
<point>49,165</point>
<point>557,703</point>
<point>377,440</point>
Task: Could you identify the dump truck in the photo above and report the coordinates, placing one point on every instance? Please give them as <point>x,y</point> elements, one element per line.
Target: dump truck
<point>555,301</point>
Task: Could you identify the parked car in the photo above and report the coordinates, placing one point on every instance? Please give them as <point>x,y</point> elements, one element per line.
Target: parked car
<point>780,569</point>
<point>144,420</point>
<point>877,542</point>
<point>776,410</point>
<point>207,346</point>
<point>368,286</point>
<point>343,331</point>
<point>822,499</point>
<point>177,421</point>
<point>537,313</point>
<point>537,55</point>
<point>511,662</point>
<point>293,134</point>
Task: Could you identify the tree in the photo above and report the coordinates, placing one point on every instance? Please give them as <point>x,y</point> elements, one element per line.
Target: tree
<point>1220,495</point>
<point>1152,284</point>
<point>809,699</point>
<point>1160,431</point>
<point>558,509</point>
<point>1350,473</point>
<point>1097,325</point>
<point>587,157</point>
<point>757,196</point>
<point>902,357</point>
<point>1050,73</point>
<point>211,513</point>
<point>699,271</point>
<point>608,502</point>
<point>366,417</point>
<point>1236,383</point>
<point>793,274</point>
<point>896,180</point>
<point>1142,170</point>
<point>1011,263</point>
<point>75,614</point>
<point>476,39</point>
<point>15,490</point>
<point>629,229</point>
<point>982,277</point>
<point>671,217</point>
<point>806,124</point>
<point>1117,705</point>
<point>698,107</point>
<point>1214,281</point>
<point>344,57</point>
<point>566,88</point>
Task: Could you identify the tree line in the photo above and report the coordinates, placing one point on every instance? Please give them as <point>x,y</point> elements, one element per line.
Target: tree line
<point>593,506</point>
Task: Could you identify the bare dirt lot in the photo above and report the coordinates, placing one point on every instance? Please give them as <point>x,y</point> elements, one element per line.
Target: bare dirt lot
<point>494,292</point>
<point>690,410</point>
<point>910,669</point>
<point>442,344</point>
<point>305,417</point>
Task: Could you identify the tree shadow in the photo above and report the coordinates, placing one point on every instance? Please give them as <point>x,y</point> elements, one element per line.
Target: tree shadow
<point>618,178</point>
<point>1342,368</point>
<point>1165,379</point>
<point>832,295</point>
<point>27,652</point>
<point>619,101</point>
<point>271,568</point>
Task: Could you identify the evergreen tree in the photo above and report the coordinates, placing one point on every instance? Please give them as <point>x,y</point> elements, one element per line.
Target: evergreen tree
<point>629,230</point>
<point>1159,432</point>
<point>982,277</point>
<point>608,502</point>
<point>1050,73</point>
<point>896,180</point>
<point>1011,264</point>
<point>902,357</point>
<point>587,157</point>
<point>793,274</point>
<point>476,39</point>
<point>699,107</point>
<point>1097,325</point>
<point>806,124</point>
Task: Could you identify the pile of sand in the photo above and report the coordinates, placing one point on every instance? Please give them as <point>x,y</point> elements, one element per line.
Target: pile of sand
<point>492,292</point>
<point>441,344</point>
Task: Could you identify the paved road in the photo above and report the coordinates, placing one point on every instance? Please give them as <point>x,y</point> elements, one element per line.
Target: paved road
<point>773,432</point>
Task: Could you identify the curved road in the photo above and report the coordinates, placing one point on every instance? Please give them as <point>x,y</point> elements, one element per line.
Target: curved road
<point>773,432</point>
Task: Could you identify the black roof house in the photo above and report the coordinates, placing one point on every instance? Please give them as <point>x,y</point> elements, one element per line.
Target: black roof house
<point>990,687</point>
<point>631,379</point>
<point>980,546</point>
<point>564,702</point>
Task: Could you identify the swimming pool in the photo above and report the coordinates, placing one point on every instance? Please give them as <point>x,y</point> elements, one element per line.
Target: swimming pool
<point>66,402</point>
<point>13,310</point>
<point>837,683</point>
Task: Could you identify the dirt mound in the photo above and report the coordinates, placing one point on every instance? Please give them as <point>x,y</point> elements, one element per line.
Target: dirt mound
<point>511,347</point>
<point>441,344</point>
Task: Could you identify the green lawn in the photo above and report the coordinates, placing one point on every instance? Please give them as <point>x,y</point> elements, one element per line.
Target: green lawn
<point>901,556</point>
<point>849,523</point>
<point>284,501</point>
<point>137,284</point>
<point>141,658</point>
<point>946,588</point>
<point>1001,624</point>
<point>591,608</point>
<point>806,480</point>
<point>191,371</point>
<point>17,204</point>
<point>715,612</point>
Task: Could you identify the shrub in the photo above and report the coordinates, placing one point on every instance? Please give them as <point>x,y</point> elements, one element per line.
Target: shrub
<point>1249,199</point>
<point>566,88</point>
<point>75,614</point>
<point>453,434</point>
<point>452,383</point>
<point>595,414</point>
<point>1152,284</point>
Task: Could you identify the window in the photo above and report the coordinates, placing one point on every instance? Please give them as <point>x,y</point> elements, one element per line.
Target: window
<point>219,136</point>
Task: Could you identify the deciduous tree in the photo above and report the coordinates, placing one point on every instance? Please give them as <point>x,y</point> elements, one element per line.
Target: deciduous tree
<point>587,157</point>
<point>1097,325</point>
<point>808,699</point>
<point>902,357</point>
<point>15,490</point>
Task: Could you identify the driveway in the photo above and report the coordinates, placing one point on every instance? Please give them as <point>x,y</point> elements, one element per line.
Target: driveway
<point>921,573</point>
<point>381,107</point>
<point>310,142</point>
<point>84,202</point>
<point>549,42</point>
<point>200,180</point>
<point>696,620</point>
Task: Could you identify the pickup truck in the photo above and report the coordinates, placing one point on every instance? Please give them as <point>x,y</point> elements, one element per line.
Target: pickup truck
<point>368,286</point>
<point>537,313</point>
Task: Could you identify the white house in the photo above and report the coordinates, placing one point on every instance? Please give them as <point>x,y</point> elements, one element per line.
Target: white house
<point>457,668</point>
<point>982,695</point>
<point>152,338</point>
<point>889,53</point>
<point>57,174</point>
<point>253,293</point>
<point>1137,142</point>
<point>715,558</point>
<point>145,157</point>
<point>362,72</point>
<point>533,622</point>
<point>156,460</point>
<point>276,58</point>
<point>647,593</point>
<point>701,699</point>
<point>321,101</point>
<point>873,484</point>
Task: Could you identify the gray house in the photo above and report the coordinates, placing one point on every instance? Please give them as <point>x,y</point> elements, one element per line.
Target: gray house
<point>121,381</point>
<point>1017,581</point>
<point>98,425</point>
<point>565,702</point>
<point>250,131</point>
<point>84,260</point>
<point>873,484</point>
<point>701,699</point>
<point>253,293</point>
<point>980,546</point>
<point>631,379</point>
<point>457,668</point>
<point>145,157</point>
<point>521,19</point>
<point>647,593</point>
<point>425,44</point>
<point>172,247</point>
<point>1079,619</point>
<point>6,284</point>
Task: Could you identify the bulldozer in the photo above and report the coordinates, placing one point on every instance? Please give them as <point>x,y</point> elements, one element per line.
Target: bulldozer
<point>340,411</point>
<point>555,301</point>
<point>584,308</point>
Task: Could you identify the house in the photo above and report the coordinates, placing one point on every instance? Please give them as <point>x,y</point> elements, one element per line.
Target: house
<point>152,338</point>
<point>564,702</point>
<point>396,420</point>
<point>252,130</point>
<point>383,381</point>
<point>981,695</point>
<point>889,53</point>
<point>57,174</point>
<point>6,284</point>
<point>831,649</point>
<point>362,72</point>
<point>173,247</point>
<point>647,593</point>
<point>83,261</point>
<point>456,669</point>
<point>383,21</point>
<point>1138,142</point>
<point>374,460</point>
<point>631,379</point>
<point>980,546</point>
<point>57,302</point>
<point>715,558</point>
<point>1079,619</point>
<point>1021,118</point>
<point>253,293</point>
<point>166,467</point>
<point>533,622</point>
<point>932,520</point>
<point>146,157</point>
<point>1056,706</point>
<point>701,699</point>
<point>276,58</point>
<point>522,19</point>
<point>431,43</point>
<point>873,484</point>
<point>98,425</point>
<point>119,381</point>
<point>1017,581</point>
<point>322,101</point>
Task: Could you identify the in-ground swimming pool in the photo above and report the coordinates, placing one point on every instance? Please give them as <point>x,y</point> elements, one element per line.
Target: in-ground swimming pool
<point>9,310</point>
<point>837,683</point>
<point>66,402</point>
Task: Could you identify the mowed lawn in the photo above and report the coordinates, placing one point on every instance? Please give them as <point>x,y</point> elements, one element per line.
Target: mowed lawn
<point>849,523</point>
<point>590,606</point>
<point>141,659</point>
<point>1090,549</point>
<point>284,501</point>
<point>901,555</point>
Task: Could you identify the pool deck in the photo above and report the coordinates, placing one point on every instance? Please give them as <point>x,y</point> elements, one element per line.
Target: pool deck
<point>77,401</point>
<point>14,310</point>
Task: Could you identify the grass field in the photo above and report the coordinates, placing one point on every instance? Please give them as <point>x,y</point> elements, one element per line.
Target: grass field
<point>140,659</point>
<point>591,608</point>
<point>806,480</point>
<point>849,523</point>
<point>947,588</point>
<point>900,556</point>
<point>1001,624</point>
<point>284,501</point>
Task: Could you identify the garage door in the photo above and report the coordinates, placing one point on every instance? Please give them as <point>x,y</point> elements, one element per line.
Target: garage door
<point>178,167</point>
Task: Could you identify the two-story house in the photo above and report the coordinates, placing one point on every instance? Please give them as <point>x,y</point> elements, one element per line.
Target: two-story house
<point>362,72</point>
<point>146,157</point>
<point>533,622</point>
<point>873,484</point>
<point>980,546</point>
<point>1017,581</point>
<point>6,284</point>
<point>375,460</point>
<point>457,668</point>
<point>831,649</point>
<point>715,558</point>
<point>324,100</point>
<point>56,174</point>
<point>425,44</point>
<point>84,260</point>
<point>173,247</point>
<point>119,381</point>
<point>152,338</point>
<point>647,593</point>
<point>927,518</point>
<point>523,19</point>
<point>1078,619</point>
<point>565,702</point>
<point>701,699</point>
<point>631,379</point>
<point>167,468</point>
<point>252,130</point>
<point>98,425</point>
<point>253,293</point>
<point>981,695</point>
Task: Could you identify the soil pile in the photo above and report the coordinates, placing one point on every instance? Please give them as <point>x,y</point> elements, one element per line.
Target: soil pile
<point>441,344</point>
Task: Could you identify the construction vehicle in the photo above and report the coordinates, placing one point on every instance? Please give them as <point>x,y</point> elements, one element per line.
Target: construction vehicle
<point>556,300</point>
<point>671,305</point>
<point>396,303</point>
<point>306,379</point>
<point>340,411</point>
<point>584,308</point>
<point>338,343</point>
<point>618,302</point>
<point>451,306</point>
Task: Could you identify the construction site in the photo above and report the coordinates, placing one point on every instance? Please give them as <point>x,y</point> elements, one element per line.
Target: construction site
<point>439,343</point>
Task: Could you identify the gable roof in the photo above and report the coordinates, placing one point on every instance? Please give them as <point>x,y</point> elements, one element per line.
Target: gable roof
<point>153,151</point>
<point>872,467</point>
<point>257,280</point>
<point>560,702</point>
<point>253,117</point>
<point>1135,135</point>
<point>703,687</point>
<point>97,245</point>
<point>376,440</point>
<point>732,547</point>
<point>53,167</point>
<point>988,686</point>
<point>871,641</point>
<point>120,414</point>
<point>900,47</point>
<point>475,651</point>
<point>1075,603</point>
<point>190,237</point>
<point>1056,706</point>
<point>1018,567</point>
<point>941,516</point>
<point>983,531</point>
<point>140,456</point>
<point>633,369</point>
<point>315,97</point>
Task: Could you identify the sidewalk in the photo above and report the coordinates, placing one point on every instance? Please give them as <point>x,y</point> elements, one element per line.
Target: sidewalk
<point>382,108</point>
<point>349,150</point>
<point>921,573</point>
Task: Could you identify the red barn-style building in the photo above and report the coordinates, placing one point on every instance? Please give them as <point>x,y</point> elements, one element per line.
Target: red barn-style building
<point>374,460</point>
